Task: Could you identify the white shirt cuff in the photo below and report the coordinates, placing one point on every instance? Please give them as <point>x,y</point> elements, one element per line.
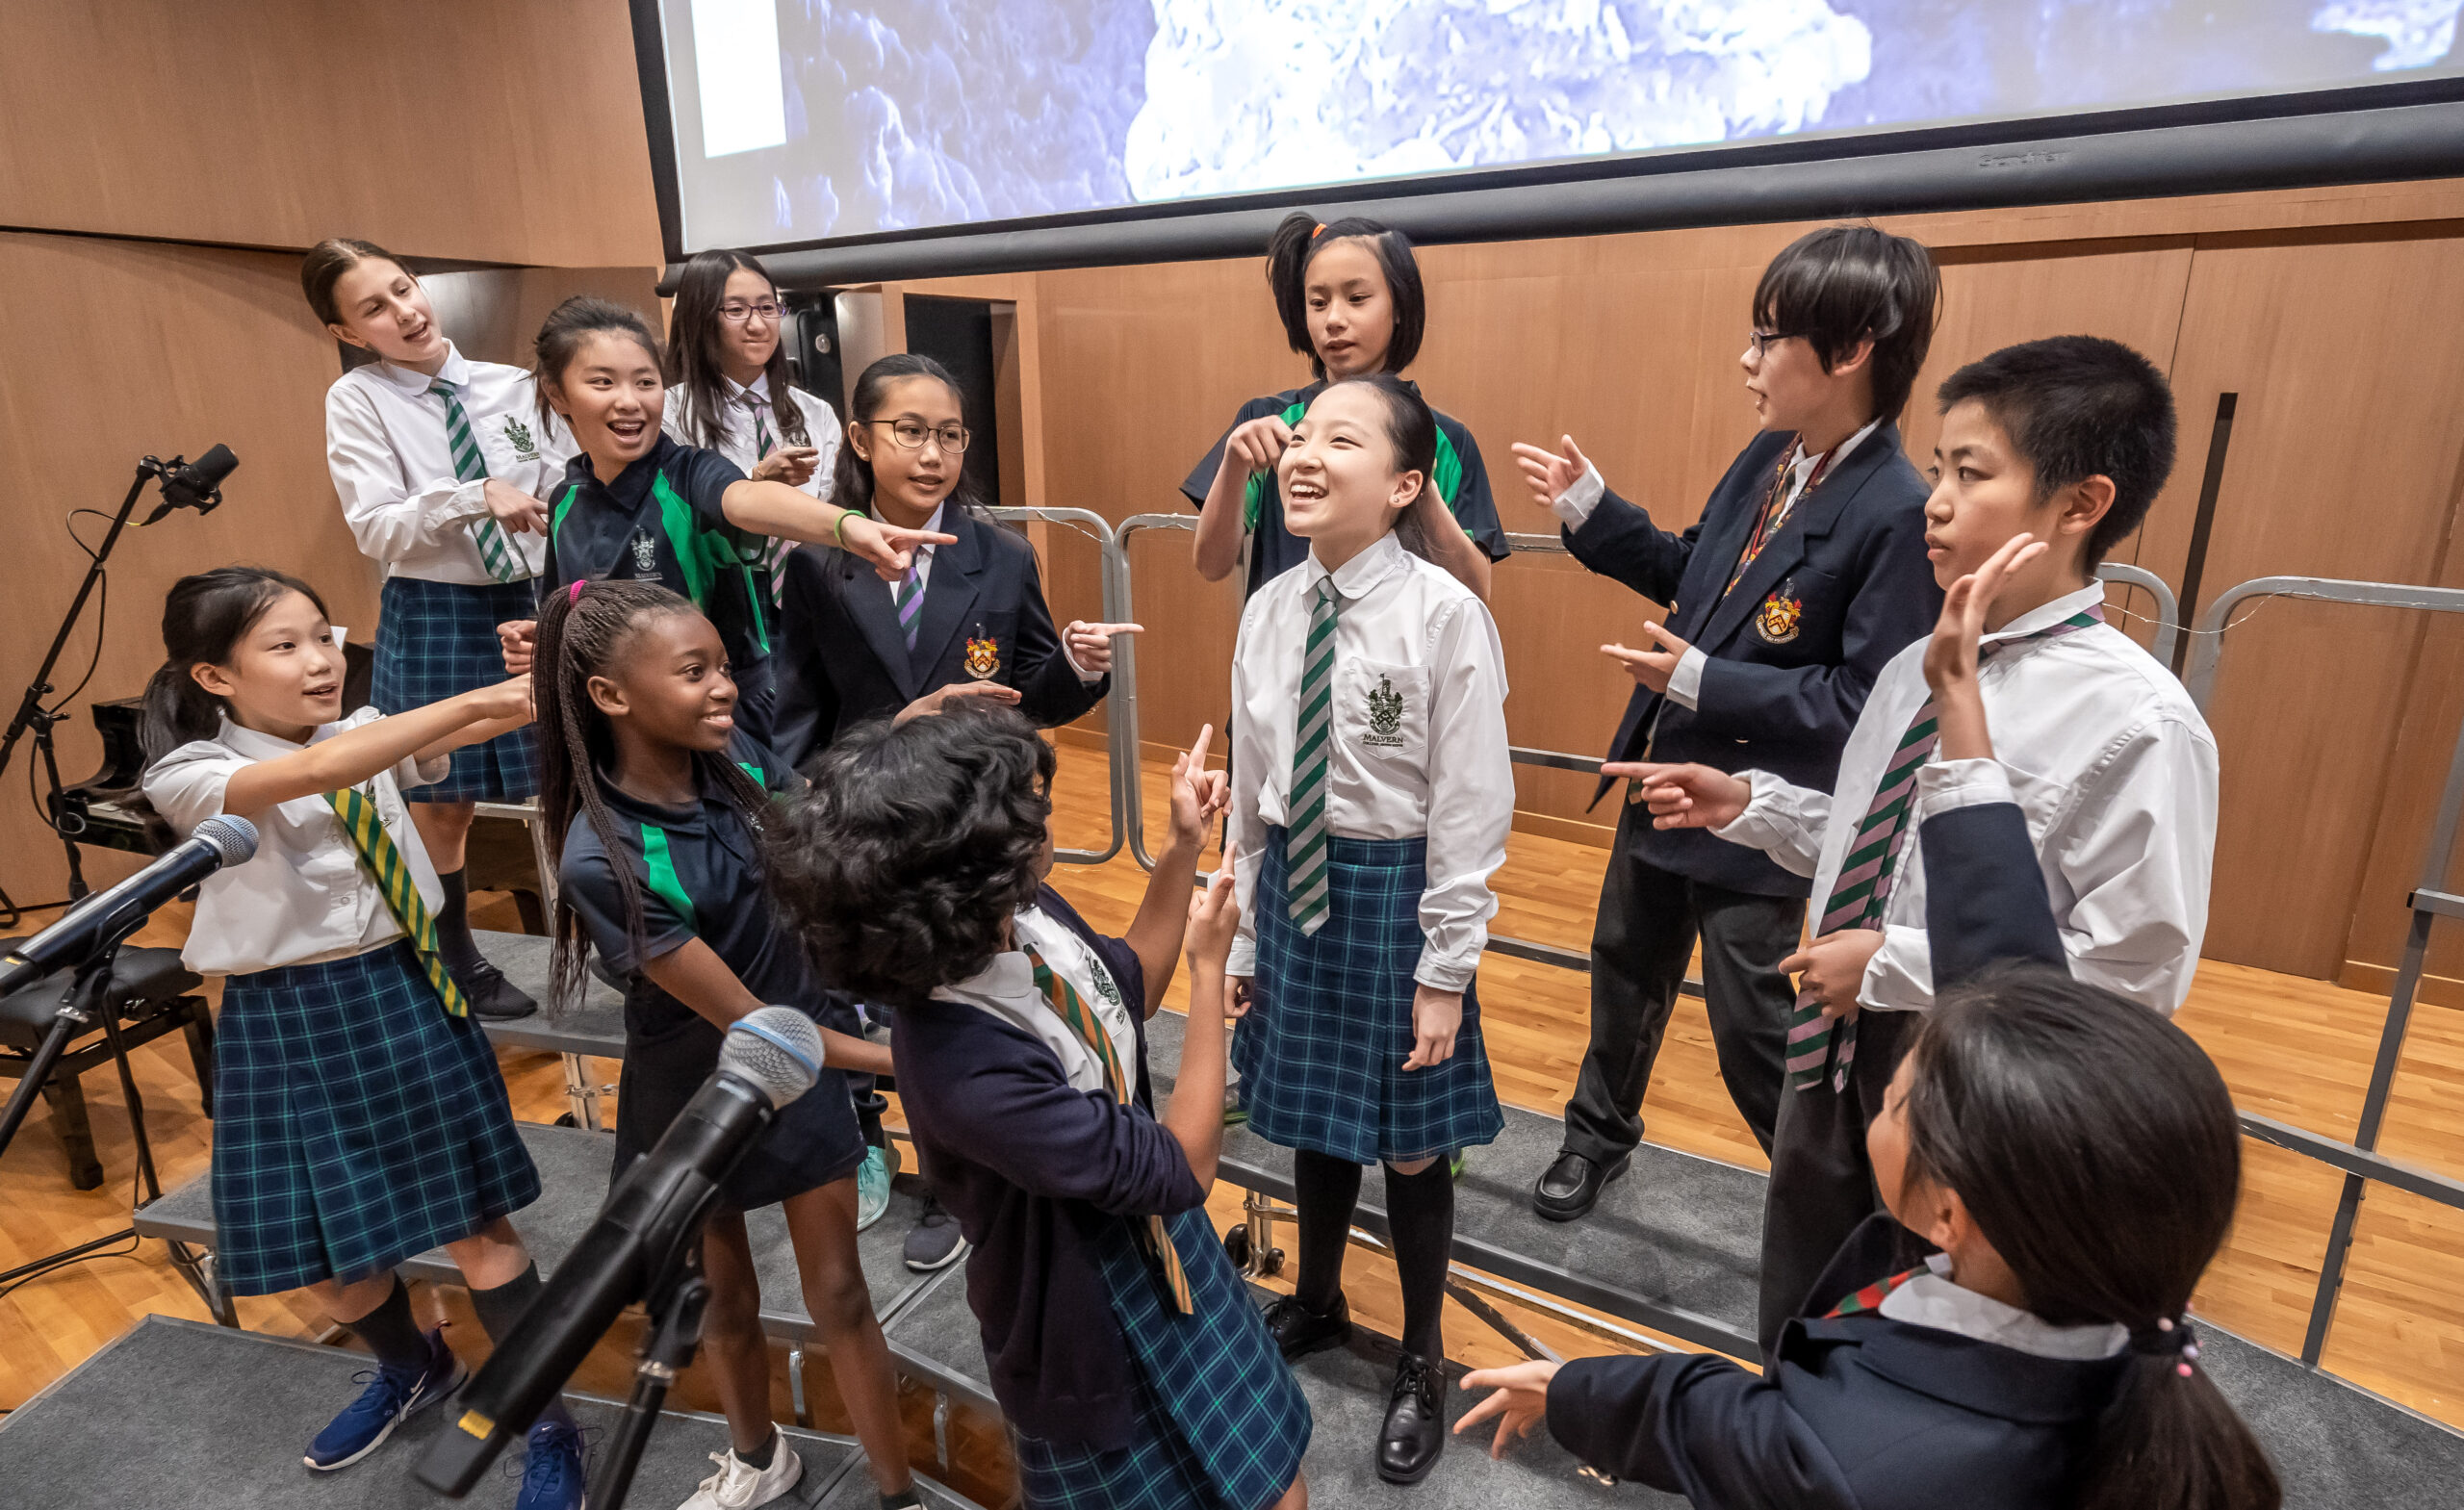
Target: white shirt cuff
<point>1243,960</point>
<point>1443,975</point>
<point>1085,676</point>
<point>1685,683</point>
<point>1757,827</point>
<point>468,503</point>
<point>1947,785</point>
<point>1573,507</point>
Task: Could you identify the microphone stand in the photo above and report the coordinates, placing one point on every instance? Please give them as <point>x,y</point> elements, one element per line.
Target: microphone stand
<point>33,715</point>
<point>667,1348</point>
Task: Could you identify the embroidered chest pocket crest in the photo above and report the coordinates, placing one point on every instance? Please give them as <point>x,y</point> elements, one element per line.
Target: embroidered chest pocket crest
<point>1381,710</point>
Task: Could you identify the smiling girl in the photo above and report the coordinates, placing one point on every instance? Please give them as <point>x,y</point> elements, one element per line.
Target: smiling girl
<point>1348,293</point>
<point>440,463</point>
<point>359,1114</point>
<point>728,389</point>
<point>635,505</point>
<point>1371,799</point>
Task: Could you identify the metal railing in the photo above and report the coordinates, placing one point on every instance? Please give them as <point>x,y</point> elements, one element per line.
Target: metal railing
<point>2435,897</point>
<point>1121,758</point>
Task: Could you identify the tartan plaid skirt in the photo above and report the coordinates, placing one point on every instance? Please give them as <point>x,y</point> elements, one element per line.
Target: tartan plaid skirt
<point>1220,1419</point>
<point>355,1123</point>
<point>438,640</point>
<point>1322,1050</point>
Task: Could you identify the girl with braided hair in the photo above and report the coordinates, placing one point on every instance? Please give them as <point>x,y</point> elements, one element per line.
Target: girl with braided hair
<point>662,801</point>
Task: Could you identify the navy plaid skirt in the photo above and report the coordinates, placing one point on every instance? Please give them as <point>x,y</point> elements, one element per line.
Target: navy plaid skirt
<point>1220,1419</point>
<point>438,640</point>
<point>1321,1051</point>
<point>355,1123</point>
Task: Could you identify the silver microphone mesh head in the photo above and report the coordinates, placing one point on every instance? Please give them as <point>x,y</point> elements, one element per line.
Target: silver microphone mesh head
<point>776,1050</point>
<point>234,838</point>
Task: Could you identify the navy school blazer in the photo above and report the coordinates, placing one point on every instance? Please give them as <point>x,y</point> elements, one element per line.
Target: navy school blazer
<point>841,658</point>
<point>1840,589</point>
<point>1031,1167</point>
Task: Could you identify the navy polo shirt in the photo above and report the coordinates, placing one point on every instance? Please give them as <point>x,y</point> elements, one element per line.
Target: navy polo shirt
<point>1462,483</point>
<point>660,521</point>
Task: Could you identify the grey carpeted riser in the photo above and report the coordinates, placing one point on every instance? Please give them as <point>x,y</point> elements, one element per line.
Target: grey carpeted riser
<point>2334,1446</point>
<point>202,1417</point>
<point>573,1174</point>
<point>596,1026</point>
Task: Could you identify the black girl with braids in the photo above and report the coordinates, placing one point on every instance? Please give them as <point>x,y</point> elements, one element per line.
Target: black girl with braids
<point>662,800</point>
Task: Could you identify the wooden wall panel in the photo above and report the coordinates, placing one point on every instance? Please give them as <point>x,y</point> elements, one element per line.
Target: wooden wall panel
<point>115,349</point>
<point>441,128</point>
<point>2342,464</point>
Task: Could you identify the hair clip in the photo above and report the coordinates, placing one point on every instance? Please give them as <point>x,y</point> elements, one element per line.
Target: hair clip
<point>574,596</point>
<point>1319,231</point>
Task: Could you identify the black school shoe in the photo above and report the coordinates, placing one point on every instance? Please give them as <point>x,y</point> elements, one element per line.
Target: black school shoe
<point>1299,1331</point>
<point>1569,1186</point>
<point>1415,1431</point>
<point>491,995</point>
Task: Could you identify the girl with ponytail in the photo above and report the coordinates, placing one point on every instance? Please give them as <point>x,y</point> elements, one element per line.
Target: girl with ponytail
<point>1349,295</point>
<point>663,802</point>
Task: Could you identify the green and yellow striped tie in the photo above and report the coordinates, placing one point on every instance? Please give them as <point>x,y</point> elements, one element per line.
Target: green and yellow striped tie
<point>384,865</point>
<point>497,554</point>
<point>1066,1005</point>
<point>1305,885</point>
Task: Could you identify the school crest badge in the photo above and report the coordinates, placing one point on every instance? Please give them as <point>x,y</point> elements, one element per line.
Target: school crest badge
<point>983,659</point>
<point>1385,716</point>
<point>1777,620</point>
<point>518,436</point>
<point>644,554</point>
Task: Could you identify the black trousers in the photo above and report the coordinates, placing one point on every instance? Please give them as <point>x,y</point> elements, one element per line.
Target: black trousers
<point>1822,1184</point>
<point>1649,919</point>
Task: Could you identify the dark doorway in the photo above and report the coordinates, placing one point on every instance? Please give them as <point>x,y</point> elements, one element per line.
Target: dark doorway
<point>958,333</point>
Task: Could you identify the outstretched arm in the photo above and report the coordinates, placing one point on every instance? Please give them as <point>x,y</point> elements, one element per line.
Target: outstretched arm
<point>355,754</point>
<point>1155,934</point>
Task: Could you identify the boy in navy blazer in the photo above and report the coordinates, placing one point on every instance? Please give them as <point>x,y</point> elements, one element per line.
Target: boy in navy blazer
<point>844,658</point>
<point>1804,574</point>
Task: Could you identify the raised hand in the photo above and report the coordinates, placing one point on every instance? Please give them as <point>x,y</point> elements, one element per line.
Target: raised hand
<point>1684,796</point>
<point>1549,473</point>
<point>1259,445</point>
<point>1951,655</point>
<point>1215,919</point>
<point>1655,666</point>
<point>1198,795</point>
<point>1091,645</point>
<point>792,465</point>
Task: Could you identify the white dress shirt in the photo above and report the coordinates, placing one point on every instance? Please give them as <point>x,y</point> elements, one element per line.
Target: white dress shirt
<point>1935,1299</point>
<point>1574,508</point>
<point>303,897</point>
<point>2107,757</point>
<point>1006,990</point>
<point>737,441</point>
<point>1445,773</point>
<point>393,466</point>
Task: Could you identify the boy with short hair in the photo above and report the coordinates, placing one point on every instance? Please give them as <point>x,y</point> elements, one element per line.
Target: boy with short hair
<point>1804,576</point>
<point>2066,440</point>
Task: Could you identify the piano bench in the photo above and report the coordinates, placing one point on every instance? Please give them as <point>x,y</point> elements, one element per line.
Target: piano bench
<point>151,994</point>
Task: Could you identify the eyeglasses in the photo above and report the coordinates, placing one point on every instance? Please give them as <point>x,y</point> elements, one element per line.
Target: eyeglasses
<point>1760,342</point>
<point>911,434</point>
<point>736,313</point>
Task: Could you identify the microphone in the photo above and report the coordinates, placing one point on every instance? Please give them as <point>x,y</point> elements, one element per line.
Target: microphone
<point>197,484</point>
<point>650,1221</point>
<point>109,916</point>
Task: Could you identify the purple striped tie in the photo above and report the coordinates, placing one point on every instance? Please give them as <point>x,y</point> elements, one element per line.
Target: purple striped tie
<point>910,604</point>
<point>1860,895</point>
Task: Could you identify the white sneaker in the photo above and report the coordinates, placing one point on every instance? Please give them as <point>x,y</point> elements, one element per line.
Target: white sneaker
<point>738,1485</point>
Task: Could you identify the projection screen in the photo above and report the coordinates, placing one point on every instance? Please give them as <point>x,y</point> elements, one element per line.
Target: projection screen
<point>1029,132</point>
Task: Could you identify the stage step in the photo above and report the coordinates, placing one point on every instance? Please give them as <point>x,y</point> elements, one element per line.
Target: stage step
<point>183,1416</point>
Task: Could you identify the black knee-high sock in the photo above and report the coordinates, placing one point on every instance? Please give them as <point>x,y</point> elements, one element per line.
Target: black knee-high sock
<point>391,1334</point>
<point>1327,1190</point>
<point>1420,1211</point>
<point>454,939</point>
<point>499,1308</point>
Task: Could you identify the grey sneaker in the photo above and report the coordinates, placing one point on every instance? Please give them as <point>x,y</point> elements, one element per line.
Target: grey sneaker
<point>936,1242</point>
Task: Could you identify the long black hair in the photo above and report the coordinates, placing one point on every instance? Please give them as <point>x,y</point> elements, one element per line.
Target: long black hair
<point>851,478</point>
<point>2096,1148</point>
<point>1297,241</point>
<point>584,633</point>
<point>1411,428</point>
<point>561,336</point>
<point>204,618</point>
<point>694,333</point>
<point>914,845</point>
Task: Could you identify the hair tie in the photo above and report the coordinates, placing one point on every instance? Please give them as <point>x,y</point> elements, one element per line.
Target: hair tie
<point>2169,1337</point>
<point>574,594</point>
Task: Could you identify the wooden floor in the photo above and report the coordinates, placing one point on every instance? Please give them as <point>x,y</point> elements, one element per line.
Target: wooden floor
<point>2297,1050</point>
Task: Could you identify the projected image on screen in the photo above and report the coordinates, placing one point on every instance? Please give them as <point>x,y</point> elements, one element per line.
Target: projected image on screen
<point>800,119</point>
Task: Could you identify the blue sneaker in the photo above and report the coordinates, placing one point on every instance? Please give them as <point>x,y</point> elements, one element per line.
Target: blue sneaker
<point>390,1399</point>
<point>551,1471</point>
<point>872,1187</point>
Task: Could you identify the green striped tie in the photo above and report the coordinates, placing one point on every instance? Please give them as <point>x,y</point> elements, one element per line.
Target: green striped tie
<point>496,553</point>
<point>1305,852</point>
<point>774,550</point>
<point>384,865</point>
